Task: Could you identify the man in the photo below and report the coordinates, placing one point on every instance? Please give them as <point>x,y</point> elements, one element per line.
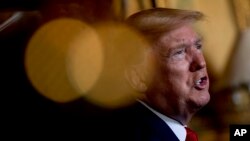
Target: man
<point>173,80</point>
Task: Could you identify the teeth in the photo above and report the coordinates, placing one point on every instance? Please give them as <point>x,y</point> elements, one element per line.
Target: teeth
<point>198,82</point>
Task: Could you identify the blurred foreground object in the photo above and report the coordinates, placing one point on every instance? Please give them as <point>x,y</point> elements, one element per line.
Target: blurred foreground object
<point>67,59</point>
<point>121,48</point>
<point>45,58</point>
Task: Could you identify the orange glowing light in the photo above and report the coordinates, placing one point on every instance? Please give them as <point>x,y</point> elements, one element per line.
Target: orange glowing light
<point>122,48</point>
<point>46,58</point>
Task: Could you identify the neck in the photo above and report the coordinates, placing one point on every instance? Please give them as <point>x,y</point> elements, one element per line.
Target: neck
<point>182,115</point>
<point>184,120</point>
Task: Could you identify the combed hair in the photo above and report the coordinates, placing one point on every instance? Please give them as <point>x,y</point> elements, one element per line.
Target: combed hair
<point>152,23</point>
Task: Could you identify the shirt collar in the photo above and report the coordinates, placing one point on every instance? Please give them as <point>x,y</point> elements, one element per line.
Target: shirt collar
<point>178,129</point>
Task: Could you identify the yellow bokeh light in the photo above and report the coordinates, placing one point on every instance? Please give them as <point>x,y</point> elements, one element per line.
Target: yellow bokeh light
<point>67,59</point>
<point>85,60</point>
<point>122,48</point>
<point>46,58</point>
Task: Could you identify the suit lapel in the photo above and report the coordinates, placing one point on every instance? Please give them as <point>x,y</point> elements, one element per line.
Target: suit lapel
<point>152,128</point>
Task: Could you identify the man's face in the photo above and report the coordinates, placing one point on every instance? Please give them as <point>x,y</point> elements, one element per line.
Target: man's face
<point>180,81</point>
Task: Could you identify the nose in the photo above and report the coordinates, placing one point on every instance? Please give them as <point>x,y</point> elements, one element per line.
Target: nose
<point>197,62</point>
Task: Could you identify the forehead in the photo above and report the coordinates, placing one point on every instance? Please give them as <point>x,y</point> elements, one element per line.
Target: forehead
<point>185,34</point>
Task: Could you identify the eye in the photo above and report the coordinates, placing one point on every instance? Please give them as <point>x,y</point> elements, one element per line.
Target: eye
<point>199,46</point>
<point>179,52</point>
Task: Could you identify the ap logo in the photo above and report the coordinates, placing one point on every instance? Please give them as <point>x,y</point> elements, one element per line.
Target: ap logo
<point>239,132</point>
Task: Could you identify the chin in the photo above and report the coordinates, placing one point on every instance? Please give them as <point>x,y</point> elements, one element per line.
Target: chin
<point>203,100</point>
<point>200,101</point>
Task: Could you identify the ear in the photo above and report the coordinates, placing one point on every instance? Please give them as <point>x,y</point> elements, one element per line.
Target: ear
<point>135,79</point>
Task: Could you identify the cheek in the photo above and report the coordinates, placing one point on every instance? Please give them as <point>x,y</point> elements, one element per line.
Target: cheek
<point>176,72</point>
<point>173,79</point>
<point>172,75</point>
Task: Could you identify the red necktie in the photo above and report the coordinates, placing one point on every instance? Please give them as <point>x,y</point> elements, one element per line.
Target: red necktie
<point>191,135</point>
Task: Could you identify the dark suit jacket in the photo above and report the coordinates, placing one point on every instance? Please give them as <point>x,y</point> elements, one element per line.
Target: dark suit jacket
<point>133,123</point>
<point>137,123</point>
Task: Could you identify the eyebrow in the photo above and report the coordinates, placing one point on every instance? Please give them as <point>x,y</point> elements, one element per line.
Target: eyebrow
<point>199,39</point>
<point>183,44</point>
<point>180,45</point>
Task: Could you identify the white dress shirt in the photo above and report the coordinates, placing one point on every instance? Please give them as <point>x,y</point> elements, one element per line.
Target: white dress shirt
<point>178,129</point>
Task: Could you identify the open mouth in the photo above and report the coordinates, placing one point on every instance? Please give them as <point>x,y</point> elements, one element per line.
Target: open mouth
<point>201,83</point>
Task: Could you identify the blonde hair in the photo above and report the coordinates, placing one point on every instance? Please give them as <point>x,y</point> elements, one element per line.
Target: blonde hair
<point>152,23</point>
